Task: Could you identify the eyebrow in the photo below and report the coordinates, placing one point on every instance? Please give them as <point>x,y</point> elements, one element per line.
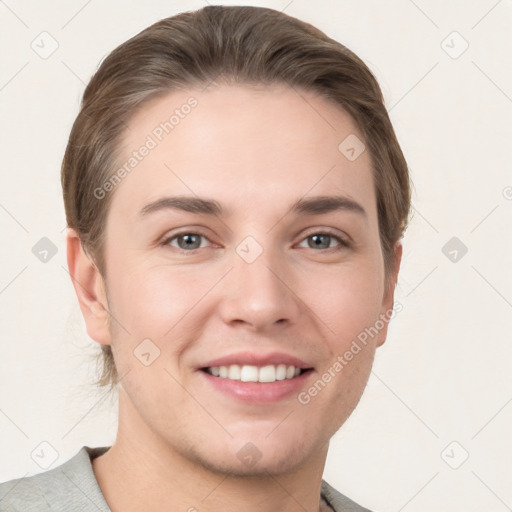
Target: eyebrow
<point>311,206</point>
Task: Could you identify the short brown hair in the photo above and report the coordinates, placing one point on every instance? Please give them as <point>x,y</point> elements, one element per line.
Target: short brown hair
<point>241,45</point>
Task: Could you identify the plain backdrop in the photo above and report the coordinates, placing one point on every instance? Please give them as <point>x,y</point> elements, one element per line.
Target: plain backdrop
<point>431,430</point>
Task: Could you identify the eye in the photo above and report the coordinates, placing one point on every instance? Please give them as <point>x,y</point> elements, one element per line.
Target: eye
<point>186,241</point>
<point>324,241</point>
<point>190,241</point>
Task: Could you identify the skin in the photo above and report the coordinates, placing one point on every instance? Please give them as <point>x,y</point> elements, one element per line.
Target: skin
<point>256,150</point>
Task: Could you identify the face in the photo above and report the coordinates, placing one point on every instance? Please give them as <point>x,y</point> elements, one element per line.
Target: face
<point>242,263</point>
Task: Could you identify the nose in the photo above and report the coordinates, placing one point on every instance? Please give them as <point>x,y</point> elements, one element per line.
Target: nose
<point>261,294</point>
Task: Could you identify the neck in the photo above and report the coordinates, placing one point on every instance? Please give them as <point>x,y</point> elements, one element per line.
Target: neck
<point>143,472</point>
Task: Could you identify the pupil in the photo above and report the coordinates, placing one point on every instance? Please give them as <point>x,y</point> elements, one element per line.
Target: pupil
<point>317,240</point>
<point>189,241</point>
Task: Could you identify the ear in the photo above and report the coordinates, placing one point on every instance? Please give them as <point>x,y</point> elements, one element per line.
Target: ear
<point>389,293</point>
<point>89,289</point>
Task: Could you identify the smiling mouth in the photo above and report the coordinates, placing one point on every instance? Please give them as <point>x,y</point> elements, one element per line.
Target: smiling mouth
<point>249,373</point>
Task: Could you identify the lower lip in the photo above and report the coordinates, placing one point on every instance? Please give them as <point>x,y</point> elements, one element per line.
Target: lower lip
<point>258,392</point>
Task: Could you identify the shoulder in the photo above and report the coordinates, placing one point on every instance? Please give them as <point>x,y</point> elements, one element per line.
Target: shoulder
<point>338,501</point>
<point>69,486</point>
<point>73,486</point>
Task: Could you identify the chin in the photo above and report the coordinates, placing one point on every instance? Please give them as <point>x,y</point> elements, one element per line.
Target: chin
<point>274,464</point>
<point>254,457</point>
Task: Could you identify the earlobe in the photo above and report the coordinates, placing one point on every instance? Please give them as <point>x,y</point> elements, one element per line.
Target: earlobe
<point>389,294</point>
<point>89,288</point>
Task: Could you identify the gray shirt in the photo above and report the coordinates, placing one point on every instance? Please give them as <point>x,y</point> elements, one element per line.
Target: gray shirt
<point>72,487</point>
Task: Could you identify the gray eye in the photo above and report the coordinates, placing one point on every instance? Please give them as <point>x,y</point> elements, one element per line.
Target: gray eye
<point>189,241</point>
<point>319,241</point>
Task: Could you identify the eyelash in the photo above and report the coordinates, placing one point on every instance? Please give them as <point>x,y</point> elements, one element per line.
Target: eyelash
<point>342,244</point>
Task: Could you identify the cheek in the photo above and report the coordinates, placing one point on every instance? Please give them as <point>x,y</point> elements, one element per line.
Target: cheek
<point>346,302</point>
<point>158,304</point>
<point>155,298</point>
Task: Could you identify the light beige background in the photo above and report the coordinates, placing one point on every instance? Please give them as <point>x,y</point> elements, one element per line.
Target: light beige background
<point>441,388</point>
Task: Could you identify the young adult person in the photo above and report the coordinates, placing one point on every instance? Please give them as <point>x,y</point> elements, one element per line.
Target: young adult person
<point>236,197</point>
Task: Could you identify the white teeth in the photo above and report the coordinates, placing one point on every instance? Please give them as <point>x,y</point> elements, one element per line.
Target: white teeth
<point>249,373</point>
<point>234,372</point>
<point>281,372</point>
<point>268,374</point>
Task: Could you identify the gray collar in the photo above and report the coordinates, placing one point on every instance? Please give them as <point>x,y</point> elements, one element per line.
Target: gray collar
<point>73,486</point>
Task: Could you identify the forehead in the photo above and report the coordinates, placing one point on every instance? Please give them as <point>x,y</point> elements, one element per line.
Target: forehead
<point>243,145</point>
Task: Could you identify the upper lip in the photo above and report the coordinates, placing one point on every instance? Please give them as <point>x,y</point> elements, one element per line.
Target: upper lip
<point>256,359</point>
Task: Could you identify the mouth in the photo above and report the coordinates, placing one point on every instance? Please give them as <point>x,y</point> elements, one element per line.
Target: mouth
<point>256,378</point>
<point>251,373</point>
